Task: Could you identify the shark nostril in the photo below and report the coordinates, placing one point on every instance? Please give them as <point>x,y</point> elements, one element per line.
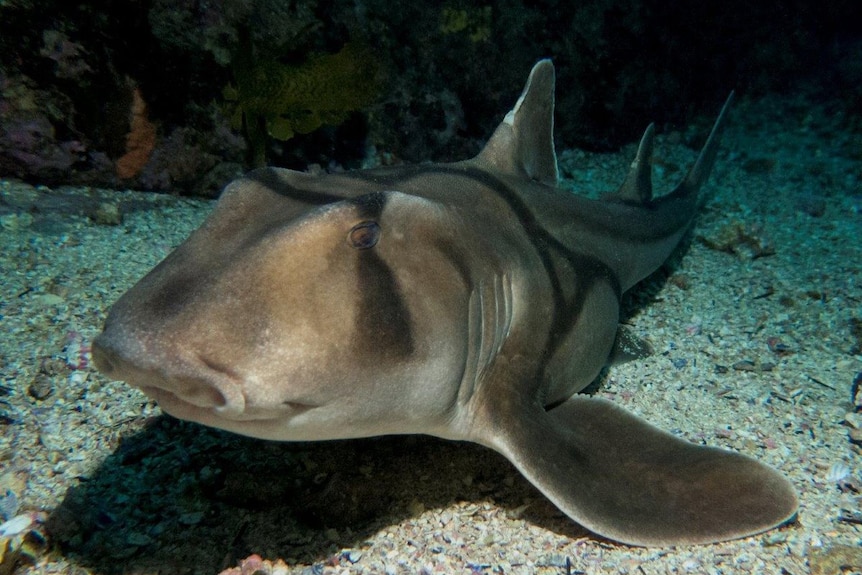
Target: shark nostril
<point>220,389</point>
<point>203,394</point>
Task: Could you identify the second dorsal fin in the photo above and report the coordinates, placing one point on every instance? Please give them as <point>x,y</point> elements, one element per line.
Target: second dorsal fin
<point>638,184</point>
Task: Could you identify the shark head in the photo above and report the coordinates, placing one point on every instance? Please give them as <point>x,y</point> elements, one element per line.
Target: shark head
<point>336,305</point>
<point>284,320</point>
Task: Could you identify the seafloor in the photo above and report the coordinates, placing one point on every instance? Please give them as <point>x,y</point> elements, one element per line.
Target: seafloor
<point>756,325</point>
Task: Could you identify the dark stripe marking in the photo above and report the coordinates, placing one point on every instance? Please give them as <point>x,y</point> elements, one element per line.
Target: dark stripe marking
<point>379,280</point>
<point>391,178</point>
<point>588,270</point>
<point>383,326</point>
<point>270,179</point>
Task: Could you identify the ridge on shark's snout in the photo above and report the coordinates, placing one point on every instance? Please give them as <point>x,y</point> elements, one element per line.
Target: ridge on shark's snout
<point>471,300</point>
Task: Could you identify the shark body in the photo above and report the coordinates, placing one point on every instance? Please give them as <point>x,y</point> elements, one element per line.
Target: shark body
<point>469,301</point>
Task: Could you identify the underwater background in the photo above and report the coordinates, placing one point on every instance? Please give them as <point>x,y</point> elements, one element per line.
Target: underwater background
<point>181,96</point>
<point>756,324</point>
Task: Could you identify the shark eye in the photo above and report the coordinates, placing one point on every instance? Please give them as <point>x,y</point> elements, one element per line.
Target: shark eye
<point>364,235</point>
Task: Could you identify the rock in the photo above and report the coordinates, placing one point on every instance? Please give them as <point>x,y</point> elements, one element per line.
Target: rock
<point>745,240</point>
<point>41,387</point>
<point>107,214</point>
<point>856,392</point>
<point>836,559</point>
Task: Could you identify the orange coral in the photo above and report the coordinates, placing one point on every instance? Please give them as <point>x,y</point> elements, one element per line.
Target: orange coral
<point>140,140</point>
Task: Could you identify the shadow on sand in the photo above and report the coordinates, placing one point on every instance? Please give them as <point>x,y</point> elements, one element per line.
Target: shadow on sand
<point>180,498</point>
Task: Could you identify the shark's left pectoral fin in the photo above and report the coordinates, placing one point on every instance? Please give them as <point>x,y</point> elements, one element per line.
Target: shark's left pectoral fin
<point>626,480</point>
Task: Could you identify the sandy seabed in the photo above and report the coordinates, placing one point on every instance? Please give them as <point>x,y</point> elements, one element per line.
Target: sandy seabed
<point>756,325</point>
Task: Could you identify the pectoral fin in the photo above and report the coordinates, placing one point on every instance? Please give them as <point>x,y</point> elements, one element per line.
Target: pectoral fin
<point>629,481</point>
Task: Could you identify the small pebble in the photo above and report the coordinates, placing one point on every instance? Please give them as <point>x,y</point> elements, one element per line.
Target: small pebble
<point>554,560</point>
<point>778,347</point>
<point>16,525</point>
<point>138,539</point>
<point>15,222</point>
<point>41,387</point>
<point>745,365</point>
<point>682,281</point>
<point>679,362</point>
<point>108,214</point>
<point>192,518</point>
<point>47,299</point>
<point>837,472</point>
<point>856,392</point>
<point>775,538</point>
<point>812,204</point>
<point>9,504</point>
<point>416,507</point>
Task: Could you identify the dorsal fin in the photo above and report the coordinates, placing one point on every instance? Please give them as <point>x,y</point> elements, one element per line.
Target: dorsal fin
<point>637,188</point>
<point>523,143</point>
<point>638,185</point>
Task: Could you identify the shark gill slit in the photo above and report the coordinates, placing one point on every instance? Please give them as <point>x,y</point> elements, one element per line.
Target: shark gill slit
<point>472,360</point>
<point>587,269</point>
<point>489,318</point>
<point>502,310</point>
<point>470,369</point>
<point>483,353</point>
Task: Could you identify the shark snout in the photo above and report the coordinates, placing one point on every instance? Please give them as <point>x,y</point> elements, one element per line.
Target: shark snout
<point>177,380</point>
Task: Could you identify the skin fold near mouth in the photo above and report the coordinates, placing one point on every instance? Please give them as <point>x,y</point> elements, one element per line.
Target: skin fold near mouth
<point>179,407</point>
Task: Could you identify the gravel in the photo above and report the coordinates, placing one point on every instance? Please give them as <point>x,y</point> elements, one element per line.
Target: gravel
<point>755,331</point>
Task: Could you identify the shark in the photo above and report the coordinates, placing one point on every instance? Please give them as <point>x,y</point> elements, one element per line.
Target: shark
<point>470,301</point>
